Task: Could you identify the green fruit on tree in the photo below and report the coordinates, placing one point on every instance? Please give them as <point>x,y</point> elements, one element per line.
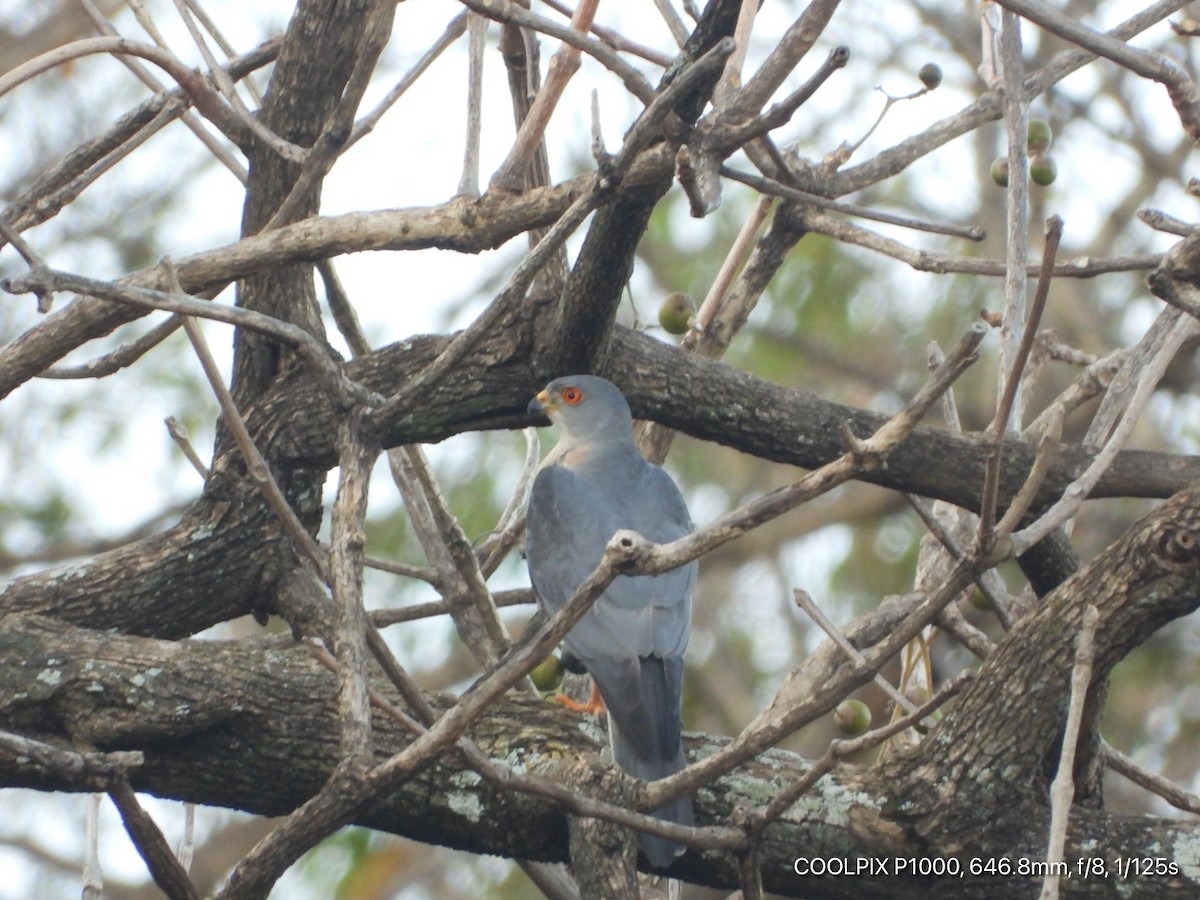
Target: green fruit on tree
<point>677,313</point>
<point>548,674</point>
<point>1039,136</point>
<point>1042,170</point>
<point>981,601</point>
<point>852,717</point>
<point>1000,171</point>
<point>930,75</point>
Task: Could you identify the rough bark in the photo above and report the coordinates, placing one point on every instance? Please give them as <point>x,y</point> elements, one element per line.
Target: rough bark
<point>253,725</point>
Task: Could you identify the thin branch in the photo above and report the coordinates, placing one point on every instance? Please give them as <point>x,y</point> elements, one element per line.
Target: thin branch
<point>1062,789</point>
<point>1151,781</point>
<point>421,573</point>
<point>179,435</point>
<point>805,602</point>
<point>164,867</point>
<point>206,100</point>
<point>468,184</point>
<point>93,875</point>
<point>78,766</point>
<point>356,457</point>
<point>941,263</point>
<point>125,355</point>
<point>1161,221</point>
<point>1012,327</point>
<point>786,55</point>
<point>45,299</point>
<point>256,465</point>
<point>1010,393</point>
<point>367,123</point>
<point>511,524</point>
<point>1148,64</point>
<point>308,347</point>
<point>504,11</point>
<point>447,548</point>
<point>731,79</point>
<point>382,618</point>
<point>615,39</point>
<point>841,748</point>
<point>988,581</point>
<point>563,65</point>
<point>771,186</point>
<point>738,133</point>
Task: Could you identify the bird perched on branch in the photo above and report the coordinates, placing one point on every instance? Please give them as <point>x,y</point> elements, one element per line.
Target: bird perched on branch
<point>593,484</point>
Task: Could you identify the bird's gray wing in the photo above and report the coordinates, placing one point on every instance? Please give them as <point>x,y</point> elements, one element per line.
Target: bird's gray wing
<point>571,519</point>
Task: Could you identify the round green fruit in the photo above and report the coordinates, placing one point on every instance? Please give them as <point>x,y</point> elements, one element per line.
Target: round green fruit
<point>677,313</point>
<point>1042,170</point>
<point>852,717</point>
<point>1000,171</point>
<point>548,674</point>
<point>1039,136</point>
<point>930,75</point>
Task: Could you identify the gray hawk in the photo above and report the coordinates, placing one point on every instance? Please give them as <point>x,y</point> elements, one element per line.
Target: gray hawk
<point>593,484</point>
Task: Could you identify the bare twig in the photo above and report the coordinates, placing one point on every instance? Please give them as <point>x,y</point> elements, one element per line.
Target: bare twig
<point>1062,789</point>
<point>1151,781</point>
<point>504,11</point>
<point>841,748</point>
<point>308,347</point>
<point>166,870</point>
<point>468,184</point>
<point>615,39</point>
<point>1148,64</point>
<point>367,123</point>
<point>45,298</point>
<point>385,617</point>
<point>78,766</point>
<point>792,47</point>
<point>942,263</point>
<point>179,435</point>
<point>738,133</point>
<point>356,456</point>
<point>125,355</point>
<point>447,548</point>
<point>771,186</point>
<point>511,524</point>
<point>565,63</point>
<point>256,465</point>
<point>678,30</point>
<point>731,80</point>
<point>206,100</point>
<point>805,602</point>
<point>93,876</point>
<point>1017,358</point>
<point>1161,221</point>
<point>988,582</point>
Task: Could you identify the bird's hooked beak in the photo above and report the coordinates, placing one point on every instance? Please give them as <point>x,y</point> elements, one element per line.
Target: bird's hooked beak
<point>540,407</point>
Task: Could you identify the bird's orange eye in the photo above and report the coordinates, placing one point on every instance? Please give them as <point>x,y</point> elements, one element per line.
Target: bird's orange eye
<point>572,395</point>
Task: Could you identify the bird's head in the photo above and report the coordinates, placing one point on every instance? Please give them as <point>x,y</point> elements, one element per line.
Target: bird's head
<point>586,409</point>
